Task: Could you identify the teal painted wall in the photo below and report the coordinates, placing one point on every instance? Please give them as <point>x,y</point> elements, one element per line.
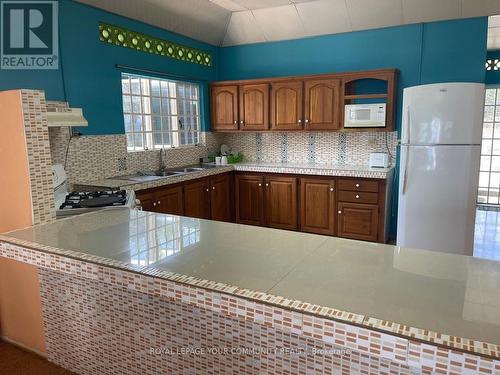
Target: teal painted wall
<point>493,76</point>
<point>87,76</point>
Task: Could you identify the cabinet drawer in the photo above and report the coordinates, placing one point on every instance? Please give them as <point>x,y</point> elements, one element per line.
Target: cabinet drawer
<point>358,185</point>
<point>358,197</point>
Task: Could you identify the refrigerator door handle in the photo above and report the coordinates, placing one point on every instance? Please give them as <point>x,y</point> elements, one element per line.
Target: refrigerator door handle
<point>405,174</point>
<point>408,124</point>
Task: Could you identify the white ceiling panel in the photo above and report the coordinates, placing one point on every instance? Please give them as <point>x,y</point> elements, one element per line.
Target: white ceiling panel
<point>242,29</point>
<point>428,10</point>
<point>324,17</point>
<point>232,22</point>
<point>476,8</point>
<point>259,4</point>
<point>374,13</point>
<point>279,23</point>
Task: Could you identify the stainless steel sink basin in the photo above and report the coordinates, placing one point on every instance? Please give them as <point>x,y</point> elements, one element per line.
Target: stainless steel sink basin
<point>144,176</point>
<point>167,173</point>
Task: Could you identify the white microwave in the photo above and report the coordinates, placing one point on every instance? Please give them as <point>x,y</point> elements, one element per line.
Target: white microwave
<point>364,115</point>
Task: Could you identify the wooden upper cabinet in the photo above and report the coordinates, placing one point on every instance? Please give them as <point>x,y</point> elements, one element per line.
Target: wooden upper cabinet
<point>254,107</point>
<point>225,107</point>
<point>317,205</point>
<point>197,199</point>
<point>281,202</point>
<point>322,104</point>
<point>286,105</point>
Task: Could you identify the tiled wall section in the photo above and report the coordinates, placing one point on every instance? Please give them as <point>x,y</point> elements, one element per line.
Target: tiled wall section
<point>90,158</point>
<point>318,148</point>
<point>39,159</point>
<point>105,320</point>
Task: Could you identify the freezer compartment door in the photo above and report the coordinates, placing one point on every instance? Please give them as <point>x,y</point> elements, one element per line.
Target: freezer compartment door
<point>437,197</point>
<point>443,113</point>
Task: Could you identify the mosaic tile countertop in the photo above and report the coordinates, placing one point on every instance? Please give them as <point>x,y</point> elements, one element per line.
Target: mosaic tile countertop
<point>305,169</point>
<point>439,298</point>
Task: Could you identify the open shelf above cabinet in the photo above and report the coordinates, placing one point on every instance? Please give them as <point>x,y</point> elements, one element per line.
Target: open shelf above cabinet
<point>303,103</point>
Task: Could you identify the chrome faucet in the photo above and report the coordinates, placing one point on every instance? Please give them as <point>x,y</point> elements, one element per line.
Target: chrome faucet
<point>163,154</point>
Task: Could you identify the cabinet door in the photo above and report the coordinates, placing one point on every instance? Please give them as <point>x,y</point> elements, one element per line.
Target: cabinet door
<point>254,107</point>
<point>225,107</point>
<point>281,202</point>
<point>220,198</point>
<point>286,105</point>
<point>317,205</point>
<point>322,104</point>
<point>148,201</point>
<point>170,201</point>
<point>197,199</point>
<point>249,199</point>
<point>358,221</point>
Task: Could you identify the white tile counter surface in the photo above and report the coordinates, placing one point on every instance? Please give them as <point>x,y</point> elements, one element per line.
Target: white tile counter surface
<point>291,168</point>
<point>386,286</point>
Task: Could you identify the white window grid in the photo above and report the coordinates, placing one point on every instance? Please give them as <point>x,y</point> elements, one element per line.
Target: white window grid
<point>154,238</point>
<point>489,170</point>
<point>160,113</point>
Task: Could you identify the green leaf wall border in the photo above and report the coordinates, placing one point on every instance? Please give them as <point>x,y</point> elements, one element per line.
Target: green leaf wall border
<point>122,37</point>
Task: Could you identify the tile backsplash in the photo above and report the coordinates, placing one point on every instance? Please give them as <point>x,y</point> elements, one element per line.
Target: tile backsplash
<point>90,158</point>
<point>311,148</point>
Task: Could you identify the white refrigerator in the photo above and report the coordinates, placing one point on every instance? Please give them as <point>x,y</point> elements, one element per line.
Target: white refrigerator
<point>439,166</point>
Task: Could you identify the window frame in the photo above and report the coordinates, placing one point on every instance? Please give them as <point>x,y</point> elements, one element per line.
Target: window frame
<point>161,107</point>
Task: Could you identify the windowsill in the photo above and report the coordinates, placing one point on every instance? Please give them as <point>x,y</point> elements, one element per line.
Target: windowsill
<point>168,148</point>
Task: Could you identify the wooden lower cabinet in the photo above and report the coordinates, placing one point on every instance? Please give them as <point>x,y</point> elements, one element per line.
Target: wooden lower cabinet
<point>166,200</point>
<point>354,208</point>
<point>170,201</point>
<point>249,194</point>
<point>220,197</point>
<point>281,202</point>
<point>197,199</point>
<point>317,205</point>
<point>358,221</point>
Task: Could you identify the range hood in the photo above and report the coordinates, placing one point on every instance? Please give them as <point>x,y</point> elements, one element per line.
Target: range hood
<point>65,117</point>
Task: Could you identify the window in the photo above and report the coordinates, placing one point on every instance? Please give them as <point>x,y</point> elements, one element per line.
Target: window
<point>160,113</point>
<point>489,175</point>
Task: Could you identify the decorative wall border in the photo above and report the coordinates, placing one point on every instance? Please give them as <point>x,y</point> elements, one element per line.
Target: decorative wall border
<point>127,38</point>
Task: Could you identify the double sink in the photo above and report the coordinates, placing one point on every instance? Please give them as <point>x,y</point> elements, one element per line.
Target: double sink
<point>144,176</point>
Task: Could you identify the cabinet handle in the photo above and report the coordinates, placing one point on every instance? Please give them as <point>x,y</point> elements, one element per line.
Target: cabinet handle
<point>300,121</point>
<point>331,189</point>
<point>260,184</point>
<point>213,187</point>
<point>242,122</point>
<point>154,204</point>
<point>235,121</point>
<point>206,189</point>
<point>267,184</point>
<point>357,196</point>
<point>357,185</point>
<point>340,212</point>
<point>307,120</point>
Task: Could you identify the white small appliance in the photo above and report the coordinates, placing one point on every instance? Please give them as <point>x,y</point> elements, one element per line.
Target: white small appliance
<point>75,203</point>
<point>364,115</point>
<point>439,166</point>
<point>379,160</point>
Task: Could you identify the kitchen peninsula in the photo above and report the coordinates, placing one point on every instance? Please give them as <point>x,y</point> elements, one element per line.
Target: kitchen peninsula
<point>120,286</point>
